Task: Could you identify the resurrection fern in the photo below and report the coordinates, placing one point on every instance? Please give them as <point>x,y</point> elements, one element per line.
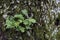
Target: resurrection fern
<point>19,22</point>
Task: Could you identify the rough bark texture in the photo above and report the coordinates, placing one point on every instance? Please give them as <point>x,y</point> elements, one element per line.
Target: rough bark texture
<point>39,8</point>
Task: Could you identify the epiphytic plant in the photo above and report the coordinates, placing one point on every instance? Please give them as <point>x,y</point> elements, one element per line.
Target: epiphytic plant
<point>19,22</point>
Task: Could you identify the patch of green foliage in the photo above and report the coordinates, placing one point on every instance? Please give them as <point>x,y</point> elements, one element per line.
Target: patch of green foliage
<point>19,22</point>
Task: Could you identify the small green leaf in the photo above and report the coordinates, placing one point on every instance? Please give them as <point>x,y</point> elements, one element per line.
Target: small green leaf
<point>28,27</point>
<point>16,24</point>
<point>9,24</point>
<point>19,16</point>
<point>32,20</point>
<point>22,29</point>
<point>20,21</point>
<point>25,12</point>
<point>26,22</point>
